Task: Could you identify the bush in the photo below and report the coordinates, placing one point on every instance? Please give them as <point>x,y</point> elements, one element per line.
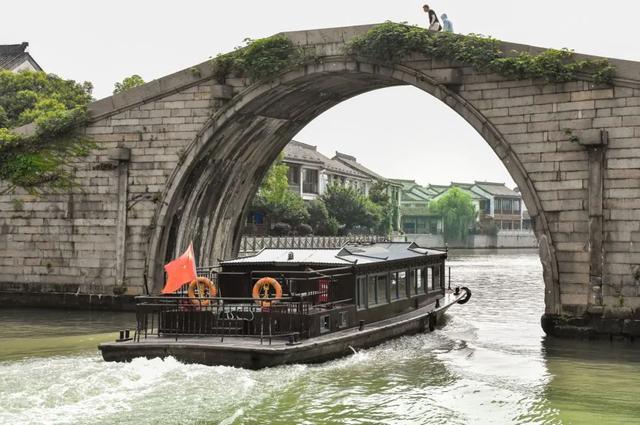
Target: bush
<point>305,230</point>
<point>282,229</point>
<point>350,208</point>
<point>58,109</point>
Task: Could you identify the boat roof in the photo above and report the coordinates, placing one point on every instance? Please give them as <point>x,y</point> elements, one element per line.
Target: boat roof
<point>348,255</point>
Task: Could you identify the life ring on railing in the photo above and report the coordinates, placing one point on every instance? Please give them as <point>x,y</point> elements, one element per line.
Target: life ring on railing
<point>262,290</point>
<point>467,296</point>
<point>202,283</point>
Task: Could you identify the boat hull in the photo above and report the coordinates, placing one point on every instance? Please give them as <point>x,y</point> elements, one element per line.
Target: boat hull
<point>250,354</point>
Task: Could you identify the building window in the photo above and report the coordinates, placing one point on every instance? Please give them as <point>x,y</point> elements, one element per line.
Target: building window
<point>293,175</point>
<point>485,207</point>
<point>310,181</point>
<point>516,206</point>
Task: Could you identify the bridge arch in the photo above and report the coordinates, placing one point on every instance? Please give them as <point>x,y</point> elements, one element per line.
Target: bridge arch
<point>208,193</point>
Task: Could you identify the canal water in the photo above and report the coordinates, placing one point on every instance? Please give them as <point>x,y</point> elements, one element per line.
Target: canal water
<point>490,364</point>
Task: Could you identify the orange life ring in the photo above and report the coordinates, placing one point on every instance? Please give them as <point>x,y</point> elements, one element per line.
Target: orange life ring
<point>201,283</point>
<point>261,290</point>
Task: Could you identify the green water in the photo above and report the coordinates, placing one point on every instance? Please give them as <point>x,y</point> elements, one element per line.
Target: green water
<point>490,364</point>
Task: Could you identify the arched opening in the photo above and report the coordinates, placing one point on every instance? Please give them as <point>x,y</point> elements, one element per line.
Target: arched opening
<point>209,192</point>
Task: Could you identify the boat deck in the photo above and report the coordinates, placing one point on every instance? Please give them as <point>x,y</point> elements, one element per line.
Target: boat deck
<point>250,353</point>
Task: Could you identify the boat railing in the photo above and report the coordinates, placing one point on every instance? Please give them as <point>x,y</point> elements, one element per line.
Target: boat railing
<point>222,317</point>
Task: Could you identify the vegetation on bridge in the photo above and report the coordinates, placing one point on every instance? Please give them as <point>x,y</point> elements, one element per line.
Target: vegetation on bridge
<point>259,59</point>
<point>391,42</point>
<point>57,107</point>
<point>128,83</point>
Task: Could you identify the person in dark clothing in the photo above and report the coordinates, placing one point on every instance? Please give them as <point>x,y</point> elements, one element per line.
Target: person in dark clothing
<point>434,23</point>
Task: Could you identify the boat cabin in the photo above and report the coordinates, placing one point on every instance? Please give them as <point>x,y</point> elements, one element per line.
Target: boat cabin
<point>333,289</point>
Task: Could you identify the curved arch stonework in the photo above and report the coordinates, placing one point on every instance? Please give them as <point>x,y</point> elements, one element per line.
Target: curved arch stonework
<point>214,228</point>
<point>182,157</point>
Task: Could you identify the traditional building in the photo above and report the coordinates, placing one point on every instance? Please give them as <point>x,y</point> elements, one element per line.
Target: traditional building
<point>310,172</point>
<point>504,205</point>
<point>394,189</point>
<point>415,217</point>
<point>15,58</point>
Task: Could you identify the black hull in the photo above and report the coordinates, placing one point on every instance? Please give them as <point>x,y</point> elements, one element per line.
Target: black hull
<point>245,353</point>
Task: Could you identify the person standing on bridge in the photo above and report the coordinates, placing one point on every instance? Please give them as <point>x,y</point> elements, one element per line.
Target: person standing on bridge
<point>447,26</point>
<point>434,24</point>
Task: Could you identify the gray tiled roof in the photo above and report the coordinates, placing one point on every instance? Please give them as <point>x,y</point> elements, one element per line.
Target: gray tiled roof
<point>12,55</point>
<point>353,163</point>
<point>497,189</point>
<point>301,152</point>
<point>349,254</point>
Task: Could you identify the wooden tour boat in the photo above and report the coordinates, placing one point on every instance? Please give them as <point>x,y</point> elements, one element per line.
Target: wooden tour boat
<point>285,306</point>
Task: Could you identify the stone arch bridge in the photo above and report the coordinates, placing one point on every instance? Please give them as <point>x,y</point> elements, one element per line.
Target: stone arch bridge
<point>182,156</point>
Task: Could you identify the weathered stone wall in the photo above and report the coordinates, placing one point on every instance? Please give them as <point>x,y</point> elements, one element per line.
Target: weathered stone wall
<point>187,154</point>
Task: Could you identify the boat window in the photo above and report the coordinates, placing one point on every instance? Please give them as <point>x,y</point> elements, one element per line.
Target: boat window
<point>418,281</point>
<point>324,324</point>
<point>382,289</point>
<point>343,319</point>
<point>402,284</point>
<point>394,286</point>
<point>435,283</point>
<point>372,298</point>
<point>361,292</point>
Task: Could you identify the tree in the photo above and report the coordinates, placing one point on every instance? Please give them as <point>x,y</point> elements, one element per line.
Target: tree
<point>320,220</point>
<point>457,211</point>
<point>276,200</point>
<point>350,208</point>
<point>57,108</point>
<point>128,83</point>
<point>379,195</point>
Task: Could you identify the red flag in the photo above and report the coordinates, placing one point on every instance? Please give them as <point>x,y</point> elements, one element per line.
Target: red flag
<point>180,271</point>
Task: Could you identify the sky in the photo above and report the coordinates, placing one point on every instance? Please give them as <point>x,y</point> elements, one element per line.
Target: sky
<point>399,132</point>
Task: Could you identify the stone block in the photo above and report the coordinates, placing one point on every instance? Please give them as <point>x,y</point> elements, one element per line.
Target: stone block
<point>552,98</point>
<point>120,154</point>
<point>573,106</point>
<point>513,101</point>
<point>446,75</point>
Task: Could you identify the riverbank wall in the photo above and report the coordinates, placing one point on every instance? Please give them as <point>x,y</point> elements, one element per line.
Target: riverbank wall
<point>504,239</point>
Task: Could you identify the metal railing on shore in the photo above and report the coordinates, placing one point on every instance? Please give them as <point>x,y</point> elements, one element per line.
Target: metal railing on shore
<point>251,244</point>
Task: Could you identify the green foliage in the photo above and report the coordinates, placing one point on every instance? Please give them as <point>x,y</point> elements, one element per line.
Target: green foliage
<point>320,220</point>
<point>457,211</point>
<point>391,42</point>
<point>276,200</point>
<point>352,209</point>
<point>379,195</point>
<point>259,59</point>
<point>128,83</point>
<point>57,107</point>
